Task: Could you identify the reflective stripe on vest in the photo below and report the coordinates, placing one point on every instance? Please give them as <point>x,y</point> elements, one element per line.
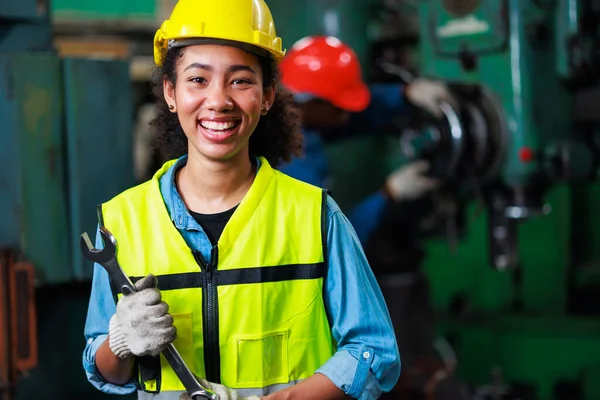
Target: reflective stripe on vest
<point>251,317</point>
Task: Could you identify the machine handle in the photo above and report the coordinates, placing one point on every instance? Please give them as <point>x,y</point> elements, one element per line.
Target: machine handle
<point>456,134</point>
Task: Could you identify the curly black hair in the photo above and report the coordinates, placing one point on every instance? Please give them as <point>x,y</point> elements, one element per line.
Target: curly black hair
<point>277,136</point>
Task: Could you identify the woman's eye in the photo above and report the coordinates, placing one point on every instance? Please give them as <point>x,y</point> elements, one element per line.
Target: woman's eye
<point>198,80</point>
<point>241,82</point>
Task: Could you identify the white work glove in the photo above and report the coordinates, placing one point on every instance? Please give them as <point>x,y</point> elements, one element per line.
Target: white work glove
<point>224,392</point>
<point>428,94</point>
<point>409,183</point>
<point>142,324</point>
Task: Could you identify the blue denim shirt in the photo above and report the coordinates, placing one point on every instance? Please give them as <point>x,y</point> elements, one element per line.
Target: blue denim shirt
<point>387,102</point>
<point>367,361</point>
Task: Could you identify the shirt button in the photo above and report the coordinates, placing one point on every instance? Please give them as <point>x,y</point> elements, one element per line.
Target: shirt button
<point>366,354</point>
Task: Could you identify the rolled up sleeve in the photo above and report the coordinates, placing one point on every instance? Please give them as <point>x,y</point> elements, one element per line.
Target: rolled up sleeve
<point>367,361</point>
<point>100,309</point>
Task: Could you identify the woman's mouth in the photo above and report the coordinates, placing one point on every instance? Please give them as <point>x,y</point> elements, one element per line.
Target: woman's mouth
<point>218,131</point>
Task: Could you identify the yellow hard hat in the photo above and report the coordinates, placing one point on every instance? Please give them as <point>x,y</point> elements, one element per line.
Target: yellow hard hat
<point>247,22</point>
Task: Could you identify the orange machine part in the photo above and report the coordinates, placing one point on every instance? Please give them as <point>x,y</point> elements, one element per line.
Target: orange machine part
<point>23,316</point>
<point>18,326</point>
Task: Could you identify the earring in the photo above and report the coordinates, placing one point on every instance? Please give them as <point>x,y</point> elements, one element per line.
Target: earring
<point>171,107</point>
<point>265,111</point>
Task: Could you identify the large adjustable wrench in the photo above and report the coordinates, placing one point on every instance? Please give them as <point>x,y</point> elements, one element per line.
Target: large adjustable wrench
<point>107,257</point>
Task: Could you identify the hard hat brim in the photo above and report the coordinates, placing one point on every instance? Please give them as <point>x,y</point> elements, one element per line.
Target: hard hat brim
<point>356,99</point>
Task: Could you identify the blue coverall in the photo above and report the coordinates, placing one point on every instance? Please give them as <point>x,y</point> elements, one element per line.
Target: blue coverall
<point>387,102</point>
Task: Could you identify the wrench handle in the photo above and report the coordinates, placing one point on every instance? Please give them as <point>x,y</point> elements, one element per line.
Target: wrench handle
<point>193,387</point>
<point>119,278</point>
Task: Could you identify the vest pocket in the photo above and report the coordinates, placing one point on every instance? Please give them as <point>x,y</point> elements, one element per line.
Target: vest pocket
<point>262,359</point>
<point>184,341</point>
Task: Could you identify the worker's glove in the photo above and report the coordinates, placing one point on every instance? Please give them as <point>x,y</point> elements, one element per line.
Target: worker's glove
<point>224,392</point>
<point>428,94</point>
<point>142,324</point>
<point>409,182</point>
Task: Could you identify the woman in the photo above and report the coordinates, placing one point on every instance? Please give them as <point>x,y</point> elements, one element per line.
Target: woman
<point>260,280</point>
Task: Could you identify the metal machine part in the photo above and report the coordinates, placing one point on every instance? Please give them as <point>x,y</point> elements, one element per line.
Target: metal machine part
<point>467,147</point>
<point>467,142</point>
<point>502,234</point>
<point>107,258</point>
<point>460,8</point>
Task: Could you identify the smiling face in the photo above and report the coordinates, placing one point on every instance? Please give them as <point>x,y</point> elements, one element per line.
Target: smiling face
<point>218,97</point>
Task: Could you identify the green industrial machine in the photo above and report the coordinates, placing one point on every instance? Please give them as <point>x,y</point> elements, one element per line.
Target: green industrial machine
<point>66,142</point>
<point>66,133</point>
<point>512,67</point>
<point>518,152</point>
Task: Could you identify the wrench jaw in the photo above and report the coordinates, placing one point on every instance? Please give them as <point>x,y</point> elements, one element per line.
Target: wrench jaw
<point>99,255</point>
<point>89,251</point>
<point>110,242</point>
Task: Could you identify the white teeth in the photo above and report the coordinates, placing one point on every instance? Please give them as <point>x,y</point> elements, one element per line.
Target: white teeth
<point>217,126</point>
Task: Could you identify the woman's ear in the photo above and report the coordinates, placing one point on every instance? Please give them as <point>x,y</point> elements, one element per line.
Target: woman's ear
<point>268,97</point>
<point>169,93</point>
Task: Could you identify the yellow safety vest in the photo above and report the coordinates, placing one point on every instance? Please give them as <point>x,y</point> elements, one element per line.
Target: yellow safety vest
<point>253,316</point>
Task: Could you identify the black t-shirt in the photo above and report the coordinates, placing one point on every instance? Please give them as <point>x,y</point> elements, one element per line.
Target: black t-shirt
<point>213,224</point>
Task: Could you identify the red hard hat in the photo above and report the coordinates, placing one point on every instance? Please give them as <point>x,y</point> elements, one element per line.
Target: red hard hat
<point>327,68</point>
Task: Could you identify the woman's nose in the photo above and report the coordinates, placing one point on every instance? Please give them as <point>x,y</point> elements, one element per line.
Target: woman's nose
<point>217,99</point>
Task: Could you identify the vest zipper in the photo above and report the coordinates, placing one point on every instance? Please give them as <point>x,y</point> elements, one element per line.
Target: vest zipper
<point>210,315</point>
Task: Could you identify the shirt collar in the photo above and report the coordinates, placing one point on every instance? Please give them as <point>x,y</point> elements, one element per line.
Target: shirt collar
<point>177,209</point>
